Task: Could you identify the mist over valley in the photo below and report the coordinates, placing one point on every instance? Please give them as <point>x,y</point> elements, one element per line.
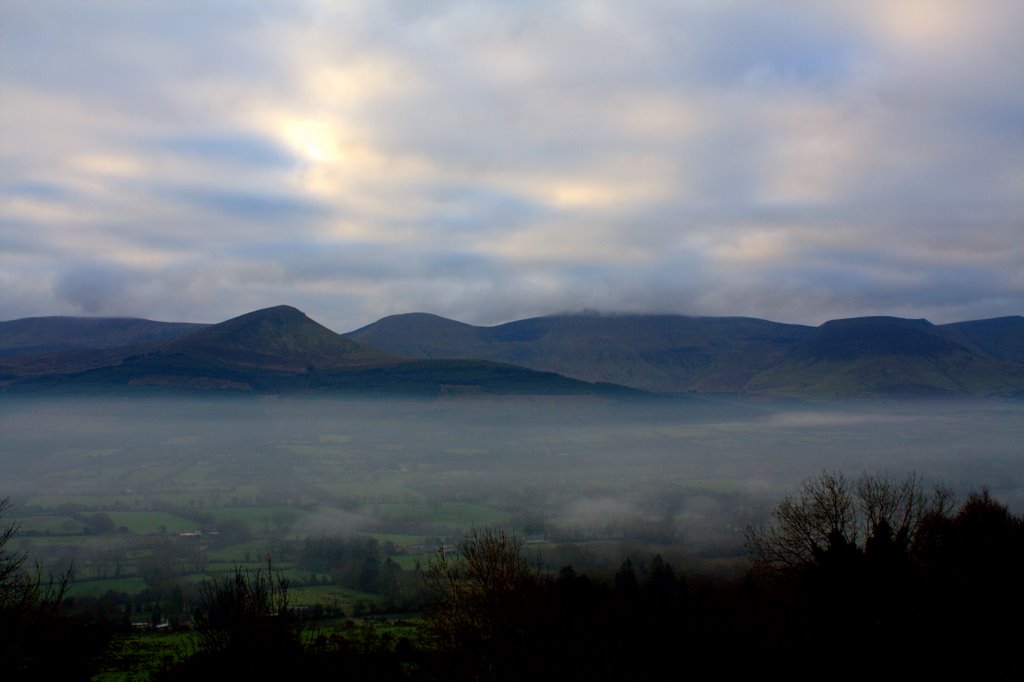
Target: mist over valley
<point>588,476</point>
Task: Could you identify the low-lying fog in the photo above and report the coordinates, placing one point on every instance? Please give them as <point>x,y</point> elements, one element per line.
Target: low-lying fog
<point>690,474</point>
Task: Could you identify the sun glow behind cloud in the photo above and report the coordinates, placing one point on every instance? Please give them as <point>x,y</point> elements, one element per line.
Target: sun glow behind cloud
<point>314,140</point>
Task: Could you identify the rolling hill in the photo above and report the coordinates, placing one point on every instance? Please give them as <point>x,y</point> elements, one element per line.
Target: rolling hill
<point>872,356</point>
<point>277,350</point>
<point>663,353</point>
<point>38,335</point>
<point>280,349</point>
<point>1000,338</point>
<point>281,338</point>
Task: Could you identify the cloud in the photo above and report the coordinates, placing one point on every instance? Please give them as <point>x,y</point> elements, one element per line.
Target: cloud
<point>228,147</point>
<point>489,160</point>
<point>243,205</point>
<point>95,290</point>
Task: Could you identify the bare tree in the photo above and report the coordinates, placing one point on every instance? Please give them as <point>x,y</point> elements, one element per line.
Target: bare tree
<point>10,564</point>
<point>28,602</point>
<point>24,592</point>
<point>833,512</point>
<point>483,594</point>
<point>247,610</point>
<point>822,515</point>
<point>892,507</point>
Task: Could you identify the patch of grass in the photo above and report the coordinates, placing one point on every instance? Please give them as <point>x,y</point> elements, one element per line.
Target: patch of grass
<point>141,655</point>
<point>236,553</point>
<point>94,588</point>
<point>50,541</point>
<point>258,518</point>
<point>217,569</point>
<point>397,539</point>
<point>198,473</point>
<point>48,524</point>
<point>330,595</point>
<point>95,502</point>
<point>408,562</point>
<point>149,522</point>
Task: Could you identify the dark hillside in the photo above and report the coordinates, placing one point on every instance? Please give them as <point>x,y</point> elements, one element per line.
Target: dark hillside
<point>280,338</point>
<point>421,335</point>
<point>864,337</point>
<point>38,335</point>
<point>1001,338</point>
<point>279,350</point>
<point>885,356</point>
<point>667,353</point>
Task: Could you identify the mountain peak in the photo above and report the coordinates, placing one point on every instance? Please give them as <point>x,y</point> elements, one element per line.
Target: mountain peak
<point>415,335</point>
<point>281,337</point>
<point>878,321</point>
<point>413,320</point>
<point>858,337</point>
<point>282,313</point>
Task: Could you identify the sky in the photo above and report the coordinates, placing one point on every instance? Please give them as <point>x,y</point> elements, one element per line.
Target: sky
<point>494,160</point>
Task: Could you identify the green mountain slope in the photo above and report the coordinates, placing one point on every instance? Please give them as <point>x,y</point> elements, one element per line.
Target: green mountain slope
<point>885,356</point>
<point>666,353</point>
<point>1001,338</point>
<point>280,338</point>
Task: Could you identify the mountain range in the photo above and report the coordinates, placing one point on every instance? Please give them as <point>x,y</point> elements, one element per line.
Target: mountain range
<point>275,350</point>
<point>281,350</point>
<point>863,357</point>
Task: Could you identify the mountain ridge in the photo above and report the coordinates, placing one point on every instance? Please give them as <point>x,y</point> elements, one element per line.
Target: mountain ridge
<point>864,356</point>
<point>666,353</point>
<point>277,350</point>
<point>280,348</point>
<point>59,333</point>
<point>886,356</point>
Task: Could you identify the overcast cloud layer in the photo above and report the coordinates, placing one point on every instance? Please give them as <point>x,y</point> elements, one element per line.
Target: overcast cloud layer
<point>489,161</point>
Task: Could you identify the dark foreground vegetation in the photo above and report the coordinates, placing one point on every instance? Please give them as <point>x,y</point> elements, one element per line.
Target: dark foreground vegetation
<point>855,579</point>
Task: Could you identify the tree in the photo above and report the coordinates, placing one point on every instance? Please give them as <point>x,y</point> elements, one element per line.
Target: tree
<point>248,610</point>
<point>10,564</point>
<point>835,516</point>
<point>24,593</point>
<point>28,603</point>
<point>245,629</point>
<point>974,561</point>
<point>483,597</point>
